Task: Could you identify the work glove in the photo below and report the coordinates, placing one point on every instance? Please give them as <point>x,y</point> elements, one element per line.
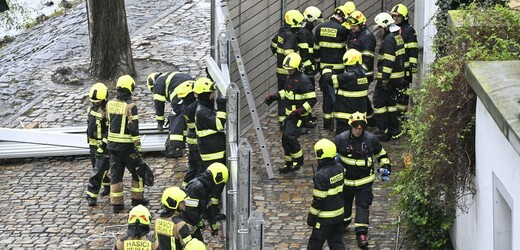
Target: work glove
<point>160,125</point>
<point>270,99</point>
<point>296,112</point>
<point>214,229</point>
<point>384,174</point>
<point>138,148</point>
<point>99,152</point>
<point>221,104</point>
<point>311,220</point>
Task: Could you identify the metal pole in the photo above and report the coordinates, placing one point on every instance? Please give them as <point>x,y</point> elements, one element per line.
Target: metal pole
<point>213,39</point>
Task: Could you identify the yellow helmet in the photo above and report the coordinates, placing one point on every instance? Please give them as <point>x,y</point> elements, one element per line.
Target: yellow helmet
<point>352,57</point>
<point>357,18</point>
<point>203,85</point>
<point>293,18</point>
<point>325,148</point>
<point>219,172</point>
<point>341,11</point>
<point>384,19</point>
<point>195,244</point>
<point>358,120</point>
<point>139,214</point>
<point>349,7</point>
<point>312,13</point>
<point>98,92</point>
<point>172,197</point>
<point>126,82</point>
<point>150,80</point>
<point>184,89</point>
<point>400,9</point>
<point>292,61</point>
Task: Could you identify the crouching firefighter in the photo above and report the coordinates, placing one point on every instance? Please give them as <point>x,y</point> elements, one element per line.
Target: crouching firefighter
<point>356,149</point>
<point>298,97</point>
<point>171,231</point>
<point>97,129</point>
<point>326,212</point>
<point>139,220</point>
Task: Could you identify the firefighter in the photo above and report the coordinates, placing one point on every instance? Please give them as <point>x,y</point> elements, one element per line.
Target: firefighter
<point>204,199</point>
<point>299,97</point>
<point>307,42</point>
<point>390,75</point>
<point>150,82</point>
<point>331,37</point>
<point>282,44</point>
<point>189,106</point>
<point>351,88</point>
<point>356,149</point>
<point>171,231</point>
<point>327,208</point>
<point>349,7</point>
<point>163,92</point>
<point>209,123</point>
<point>363,41</point>
<point>97,129</point>
<point>124,144</point>
<point>400,15</point>
<point>139,220</point>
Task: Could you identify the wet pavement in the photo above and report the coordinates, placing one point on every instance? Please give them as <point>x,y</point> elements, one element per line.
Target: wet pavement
<point>42,204</point>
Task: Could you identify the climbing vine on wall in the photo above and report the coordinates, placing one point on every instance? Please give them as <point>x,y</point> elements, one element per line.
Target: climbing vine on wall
<point>441,126</point>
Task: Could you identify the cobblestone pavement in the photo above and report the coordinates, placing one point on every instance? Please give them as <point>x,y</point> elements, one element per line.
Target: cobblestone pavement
<point>42,199</point>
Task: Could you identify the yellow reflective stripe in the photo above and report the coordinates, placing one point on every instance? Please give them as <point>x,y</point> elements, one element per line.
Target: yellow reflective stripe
<point>380,110</point>
<point>303,45</point>
<point>219,124</point>
<point>159,117</point>
<point>381,153</point>
<point>384,161</point>
<point>397,75</point>
<point>387,70</point>
<point>93,195</point>
<point>167,83</point>
<point>116,137</point>
<point>327,116</point>
<point>389,57</point>
<point>411,45</point>
<point>413,60</point>
<point>345,93</point>
<point>287,158</point>
<point>319,193</point>
<point>307,63</point>
<point>330,192</point>
<point>361,181</point>
<point>213,156</point>
<point>281,118</point>
<point>299,97</point>
<point>360,225</point>
<point>310,95</point>
<point>94,142</point>
<point>174,137</point>
<point>400,52</point>
<point>335,82</point>
<point>297,154</point>
<point>307,106</point>
<point>116,194</point>
<point>331,214</point>
<point>137,189</point>
<point>214,201</point>
<point>284,52</point>
<point>206,132</point>
<point>342,115</point>
<point>136,138</point>
<point>402,107</point>
<point>391,108</point>
<point>282,71</point>
<point>368,53</point>
<point>369,73</point>
<point>185,239</point>
<point>190,202</point>
<point>298,124</point>
<point>406,64</point>
<point>191,125</point>
<point>314,211</point>
<point>364,67</point>
<point>331,45</point>
<point>221,114</point>
<point>316,46</point>
<point>191,140</point>
<point>159,97</point>
<point>334,65</point>
<point>96,114</point>
<point>356,162</point>
<point>325,71</point>
<point>274,44</point>
<point>135,117</point>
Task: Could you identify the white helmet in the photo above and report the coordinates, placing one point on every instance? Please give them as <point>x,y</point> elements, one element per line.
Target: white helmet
<point>384,20</point>
<point>312,13</point>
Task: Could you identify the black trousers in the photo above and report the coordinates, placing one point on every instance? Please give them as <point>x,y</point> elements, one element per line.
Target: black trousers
<point>195,164</point>
<point>99,176</point>
<point>341,126</point>
<point>364,196</point>
<point>119,160</point>
<point>330,233</point>
<point>385,106</point>
<point>281,78</point>
<point>290,144</point>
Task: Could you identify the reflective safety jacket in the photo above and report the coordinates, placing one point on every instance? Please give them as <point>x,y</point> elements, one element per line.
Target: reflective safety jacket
<point>390,64</point>
<point>97,125</point>
<point>123,129</point>
<point>203,198</point>
<point>306,44</point>
<point>365,42</point>
<point>144,243</point>
<point>327,203</point>
<point>351,88</point>
<point>163,90</point>
<point>282,44</point>
<point>209,124</point>
<point>298,93</point>
<point>331,37</point>
<point>356,155</point>
<point>189,109</point>
<point>172,232</point>
<point>410,46</point>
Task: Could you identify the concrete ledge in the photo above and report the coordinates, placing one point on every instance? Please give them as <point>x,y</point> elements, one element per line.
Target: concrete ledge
<point>497,84</point>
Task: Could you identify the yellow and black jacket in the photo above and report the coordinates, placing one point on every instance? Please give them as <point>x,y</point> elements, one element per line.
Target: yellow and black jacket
<point>145,242</point>
<point>410,46</point>
<point>390,64</point>
<point>331,37</point>
<point>163,89</point>
<point>365,42</point>
<point>282,44</point>
<point>307,44</point>
<point>327,203</point>
<point>123,130</point>
<point>97,126</point>
<point>209,124</point>
<point>171,231</point>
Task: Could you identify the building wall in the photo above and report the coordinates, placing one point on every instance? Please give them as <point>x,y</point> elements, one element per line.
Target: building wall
<point>497,171</point>
<point>257,21</point>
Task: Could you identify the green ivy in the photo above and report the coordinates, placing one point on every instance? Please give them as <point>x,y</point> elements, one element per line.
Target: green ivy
<point>442,122</point>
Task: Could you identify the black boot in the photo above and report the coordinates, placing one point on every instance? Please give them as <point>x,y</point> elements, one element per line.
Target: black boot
<point>286,168</point>
<point>362,241</point>
<point>143,202</point>
<point>106,191</point>
<point>118,208</point>
<point>173,151</point>
<point>91,201</point>
<point>328,124</point>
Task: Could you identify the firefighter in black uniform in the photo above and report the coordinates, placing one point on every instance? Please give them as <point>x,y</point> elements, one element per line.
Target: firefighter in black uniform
<point>299,97</point>
<point>163,92</point>
<point>390,77</point>
<point>327,208</point>
<point>97,129</point>
<point>351,89</point>
<point>139,220</point>
<point>171,231</point>
<point>124,144</point>
<point>283,43</point>
<point>189,106</point>
<point>331,37</point>
<point>307,43</point>
<point>209,123</point>
<point>356,149</point>
<point>400,15</point>
<point>204,199</point>
<point>363,41</point>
